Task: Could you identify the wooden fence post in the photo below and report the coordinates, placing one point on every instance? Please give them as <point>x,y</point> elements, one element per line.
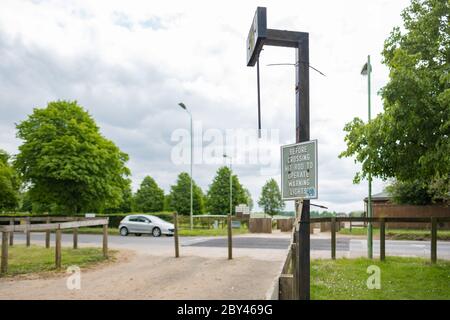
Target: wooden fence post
<point>58,248</point>
<point>230,244</point>
<point>11,234</point>
<point>175,235</point>
<point>105,240</point>
<point>433,240</point>
<point>294,268</point>
<point>4,263</point>
<point>75,238</point>
<point>333,238</point>
<point>47,235</point>
<point>28,222</point>
<point>382,239</point>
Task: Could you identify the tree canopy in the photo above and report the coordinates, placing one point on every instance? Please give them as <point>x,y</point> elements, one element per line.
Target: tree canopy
<point>180,196</point>
<point>270,199</point>
<point>149,197</point>
<point>9,183</point>
<point>409,141</point>
<point>218,196</point>
<point>66,161</point>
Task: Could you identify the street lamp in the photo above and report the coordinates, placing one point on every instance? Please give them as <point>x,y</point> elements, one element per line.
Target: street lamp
<point>182,105</point>
<point>230,254</point>
<point>366,70</point>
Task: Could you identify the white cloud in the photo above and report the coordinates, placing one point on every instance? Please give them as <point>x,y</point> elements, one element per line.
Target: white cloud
<point>130,63</point>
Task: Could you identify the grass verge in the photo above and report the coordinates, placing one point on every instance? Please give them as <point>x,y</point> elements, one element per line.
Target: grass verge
<point>209,232</point>
<point>401,278</point>
<point>94,230</point>
<point>399,234</point>
<point>33,259</point>
<point>184,231</point>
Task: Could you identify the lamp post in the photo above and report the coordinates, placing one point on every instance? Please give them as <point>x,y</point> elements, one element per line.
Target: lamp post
<point>230,254</point>
<point>181,104</point>
<point>366,71</point>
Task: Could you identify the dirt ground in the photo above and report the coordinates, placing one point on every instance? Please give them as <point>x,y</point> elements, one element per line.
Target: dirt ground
<point>139,275</point>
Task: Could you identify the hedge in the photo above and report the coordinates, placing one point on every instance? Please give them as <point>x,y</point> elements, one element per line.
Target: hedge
<point>115,218</point>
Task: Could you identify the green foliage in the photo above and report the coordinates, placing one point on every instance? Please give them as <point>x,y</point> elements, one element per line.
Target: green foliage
<point>323,214</point>
<point>126,201</point>
<point>439,189</point>
<point>270,199</point>
<point>218,196</point>
<point>168,202</point>
<point>67,162</point>
<point>9,184</point>
<point>180,196</point>
<point>26,202</point>
<point>410,140</point>
<point>410,192</point>
<point>149,197</point>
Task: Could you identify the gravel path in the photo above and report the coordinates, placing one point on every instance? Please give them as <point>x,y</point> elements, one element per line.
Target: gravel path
<point>139,275</point>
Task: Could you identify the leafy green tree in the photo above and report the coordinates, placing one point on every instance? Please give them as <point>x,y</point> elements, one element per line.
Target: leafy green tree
<point>9,184</point>
<point>414,192</point>
<point>168,202</point>
<point>149,197</point>
<point>180,195</point>
<point>218,196</point>
<point>67,161</point>
<point>26,202</point>
<point>409,141</point>
<point>249,199</point>
<point>270,199</point>
<point>126,202</point>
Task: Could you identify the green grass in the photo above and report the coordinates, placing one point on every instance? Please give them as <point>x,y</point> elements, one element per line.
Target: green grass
<point>209,232</point>
<point>401,278</point>
<point>94,230</point>
<point>399,234</point>
<point>184,231</point>
<point>33,259</point>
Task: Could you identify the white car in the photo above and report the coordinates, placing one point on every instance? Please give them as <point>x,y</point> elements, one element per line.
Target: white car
<point>144,223</point>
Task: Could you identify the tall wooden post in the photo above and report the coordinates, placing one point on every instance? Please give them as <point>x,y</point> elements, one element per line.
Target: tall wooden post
<point>75,238</point>
<point>105,240</point>
<point>294,268</point>
<point>382,239</point>
<point>433,240</point>
<point>11,234</point>
<point>333,238</point>
<point>230,239</point>
<point>4,262</point>
<point>175,234</point>
<point>58,249</point>
<point>47,235</point>
<point>302,135</point>
<point>28,233</point>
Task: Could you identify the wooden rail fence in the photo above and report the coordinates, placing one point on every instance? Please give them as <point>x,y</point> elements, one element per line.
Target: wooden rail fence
<point>288,284</point>
<point>56,224</point>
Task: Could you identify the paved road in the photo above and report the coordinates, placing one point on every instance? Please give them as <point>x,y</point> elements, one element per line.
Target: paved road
<point>348,245</point>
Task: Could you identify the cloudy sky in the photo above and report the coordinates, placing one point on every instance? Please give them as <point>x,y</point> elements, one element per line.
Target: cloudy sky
<point>129,63</point>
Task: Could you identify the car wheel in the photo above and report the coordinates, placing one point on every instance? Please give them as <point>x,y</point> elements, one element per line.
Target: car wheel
<point>138,234</point>
<point>156,232</point>
<point>123,231</point>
